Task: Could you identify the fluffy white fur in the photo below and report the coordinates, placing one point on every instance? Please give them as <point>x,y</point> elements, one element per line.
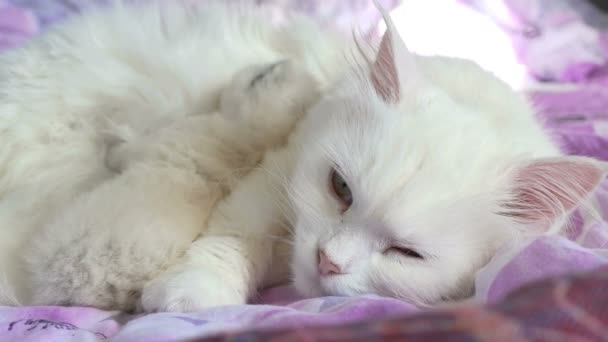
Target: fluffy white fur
<point>118,75</point>
<point>441,158</point>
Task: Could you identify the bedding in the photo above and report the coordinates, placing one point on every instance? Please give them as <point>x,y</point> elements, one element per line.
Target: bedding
<point>572,32</point>
<point>551,288</point>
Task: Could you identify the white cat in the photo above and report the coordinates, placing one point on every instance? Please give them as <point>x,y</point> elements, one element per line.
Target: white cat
<point>403,180</point>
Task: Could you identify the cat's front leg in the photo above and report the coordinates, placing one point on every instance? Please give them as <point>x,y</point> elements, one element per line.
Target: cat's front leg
<point>218,271</point>
<point>231,259</point>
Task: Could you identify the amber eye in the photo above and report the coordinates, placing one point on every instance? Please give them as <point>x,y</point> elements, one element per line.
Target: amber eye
<point>404,251</point>
<point>341,190</point>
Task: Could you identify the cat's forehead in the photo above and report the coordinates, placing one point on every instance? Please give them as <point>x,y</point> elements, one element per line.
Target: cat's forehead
<point>419,152</point>
<point>433,126</point>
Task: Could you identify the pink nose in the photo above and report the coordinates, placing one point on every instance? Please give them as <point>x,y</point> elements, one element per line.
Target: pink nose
<point>326,266</point>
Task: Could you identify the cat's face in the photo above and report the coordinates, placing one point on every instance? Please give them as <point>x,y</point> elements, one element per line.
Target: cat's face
<point>384,207</point>
<point>388,201</point>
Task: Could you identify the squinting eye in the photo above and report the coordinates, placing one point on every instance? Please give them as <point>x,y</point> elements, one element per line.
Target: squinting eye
<point>341,189</point>
<point>408,252</point>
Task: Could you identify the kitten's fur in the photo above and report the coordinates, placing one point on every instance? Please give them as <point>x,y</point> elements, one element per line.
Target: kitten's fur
<point>107,243</point>
<point>441,158</point>
<point>118,75</point>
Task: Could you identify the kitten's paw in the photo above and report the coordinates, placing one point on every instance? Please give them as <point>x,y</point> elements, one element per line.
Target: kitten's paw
<point>265,92</point>
<point>188,291</point>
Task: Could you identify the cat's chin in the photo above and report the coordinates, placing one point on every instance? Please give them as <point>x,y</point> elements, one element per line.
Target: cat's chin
<point>308,285</point>
<point>340,285</point>
<point>316,286</point>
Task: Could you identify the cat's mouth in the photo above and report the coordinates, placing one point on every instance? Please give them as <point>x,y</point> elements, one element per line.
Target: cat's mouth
<point>337,284</point>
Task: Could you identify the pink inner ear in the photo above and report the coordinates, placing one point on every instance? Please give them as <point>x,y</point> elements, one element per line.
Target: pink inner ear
<point>385,76</point>
<point>548,189</point>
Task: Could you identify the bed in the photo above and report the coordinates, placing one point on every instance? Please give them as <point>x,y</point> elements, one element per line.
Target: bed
<point>547,289</point>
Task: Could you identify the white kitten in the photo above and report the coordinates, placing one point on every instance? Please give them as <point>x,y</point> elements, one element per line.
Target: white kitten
<point>107,243</point>
<point>145,76</point>
<point>403,180</point>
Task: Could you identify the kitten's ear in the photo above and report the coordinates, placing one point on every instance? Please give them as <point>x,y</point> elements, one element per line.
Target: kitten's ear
<point>546,190</point>
<point>394,66</point>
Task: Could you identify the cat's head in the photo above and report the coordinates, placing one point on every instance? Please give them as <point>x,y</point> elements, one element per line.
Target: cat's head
<point>402,190</point>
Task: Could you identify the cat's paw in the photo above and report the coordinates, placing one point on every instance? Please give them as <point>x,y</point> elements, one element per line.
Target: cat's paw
<point>268,91</point>
<point>266,101</point>
<point>188,291</point>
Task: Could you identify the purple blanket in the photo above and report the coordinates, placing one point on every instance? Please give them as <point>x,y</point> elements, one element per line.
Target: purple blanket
<point>567,307</point>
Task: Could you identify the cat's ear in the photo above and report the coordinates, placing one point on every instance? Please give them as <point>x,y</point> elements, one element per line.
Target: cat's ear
<point>394,66</point>
<point>546,190</point>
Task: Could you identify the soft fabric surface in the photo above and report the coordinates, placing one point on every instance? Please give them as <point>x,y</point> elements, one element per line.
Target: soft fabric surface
<point>566,307</point>
<point>559,309</point>
<point>21,19</point>
<point>572,32</point>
